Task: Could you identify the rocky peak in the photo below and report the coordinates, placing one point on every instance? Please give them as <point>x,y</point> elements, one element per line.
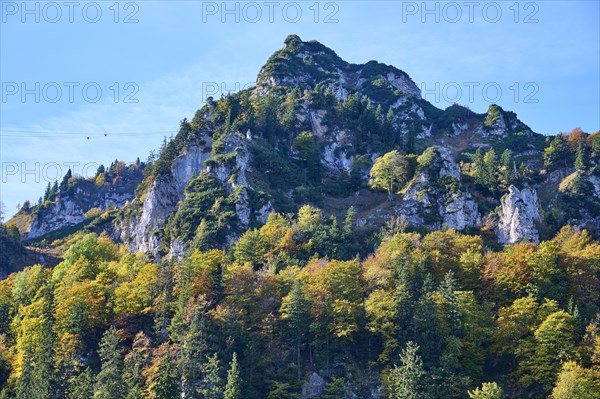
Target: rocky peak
<point>306,64</point>
<point>499,122</point>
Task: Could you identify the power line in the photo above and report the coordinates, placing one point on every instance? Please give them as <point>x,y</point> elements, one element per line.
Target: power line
<point>17,133</point>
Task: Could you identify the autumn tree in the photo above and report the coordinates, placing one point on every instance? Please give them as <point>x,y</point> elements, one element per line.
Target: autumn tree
<point>389,172</point>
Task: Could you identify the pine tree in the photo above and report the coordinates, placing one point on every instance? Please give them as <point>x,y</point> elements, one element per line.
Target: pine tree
<point>478,170</point>
<point>426,324</point>
<point>54,190</point>
<point>408,380</point>
<point>233,386</point>
<point>193,347</point>
<point>507,164</point>
<point>450,309</point>
<point>557,154</point>
<point>47,192</point>
<point>109,384</point>
<point>350,221</point>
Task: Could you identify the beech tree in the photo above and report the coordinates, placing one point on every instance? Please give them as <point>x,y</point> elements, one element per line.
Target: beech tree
<point>389,172</point>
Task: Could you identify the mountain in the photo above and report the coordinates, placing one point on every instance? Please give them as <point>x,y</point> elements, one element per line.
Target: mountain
<point>324,234</point>
<point>310,132</point>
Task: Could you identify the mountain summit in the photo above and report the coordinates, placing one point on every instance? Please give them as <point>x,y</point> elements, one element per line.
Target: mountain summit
<point>307,64</point>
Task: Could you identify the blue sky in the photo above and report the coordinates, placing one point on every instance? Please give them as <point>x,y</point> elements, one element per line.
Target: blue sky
<point>132,70</point>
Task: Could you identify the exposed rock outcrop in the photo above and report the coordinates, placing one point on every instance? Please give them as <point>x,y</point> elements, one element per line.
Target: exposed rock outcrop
<point>81,195</point>
<point>160,200</point>
<point>313,387</point>
<point>434,197</point>
<point>519,211</point>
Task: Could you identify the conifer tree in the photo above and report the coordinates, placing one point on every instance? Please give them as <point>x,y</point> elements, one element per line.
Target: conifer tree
<point>295,315</point>
<point>211,386</point>
<point>81,386</point>
<point>109,383</point>
<point>408,380</point>
<point>135,362</point>
<point>167,383</point>
<point>233,386</point>
<point>581,157</point>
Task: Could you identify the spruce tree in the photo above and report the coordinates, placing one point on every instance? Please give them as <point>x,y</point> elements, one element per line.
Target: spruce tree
<point>581,158</point>
<point>408,380</point>
<point>478,170</point>
<point>135,362</point>
<point>490,166</point>
<point>295,315</point>
<point>81,386</point>
<point>47,192</point>
<point>233,386</point>
<point>109,384</point>
<point>167,384</point>
<point>506,161</point>
<point>350,221</point>
<point>211,386</point>
<point>193,347</point>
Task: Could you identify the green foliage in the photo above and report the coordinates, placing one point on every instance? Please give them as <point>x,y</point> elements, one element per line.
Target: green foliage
<point>109,383</point>
<point>81,386</point>
<point>211,384</point>
<point>389,172</point>
<point>336,389</point>
<point>167,384</point>
<point>494,114</point>
<point>489,390</point>
<point>233,386</point>
<point>557,154</point>
<point>408,380</point>
<point>305,145</point>
<point>576,382</point>
<point>581,157</point>
<point>469,312</point>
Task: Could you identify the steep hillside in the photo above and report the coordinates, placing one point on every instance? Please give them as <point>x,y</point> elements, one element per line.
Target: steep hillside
<point>68,205</point>
<point>309,133</point>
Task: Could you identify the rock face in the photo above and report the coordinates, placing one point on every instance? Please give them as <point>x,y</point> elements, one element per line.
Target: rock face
<point>81,195</point>
<point>313,387</point>
<point>68,212</point>
<point>160,200</point>
<point>434,197</point>
<point>165,193</point>
<point>519,210</point>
